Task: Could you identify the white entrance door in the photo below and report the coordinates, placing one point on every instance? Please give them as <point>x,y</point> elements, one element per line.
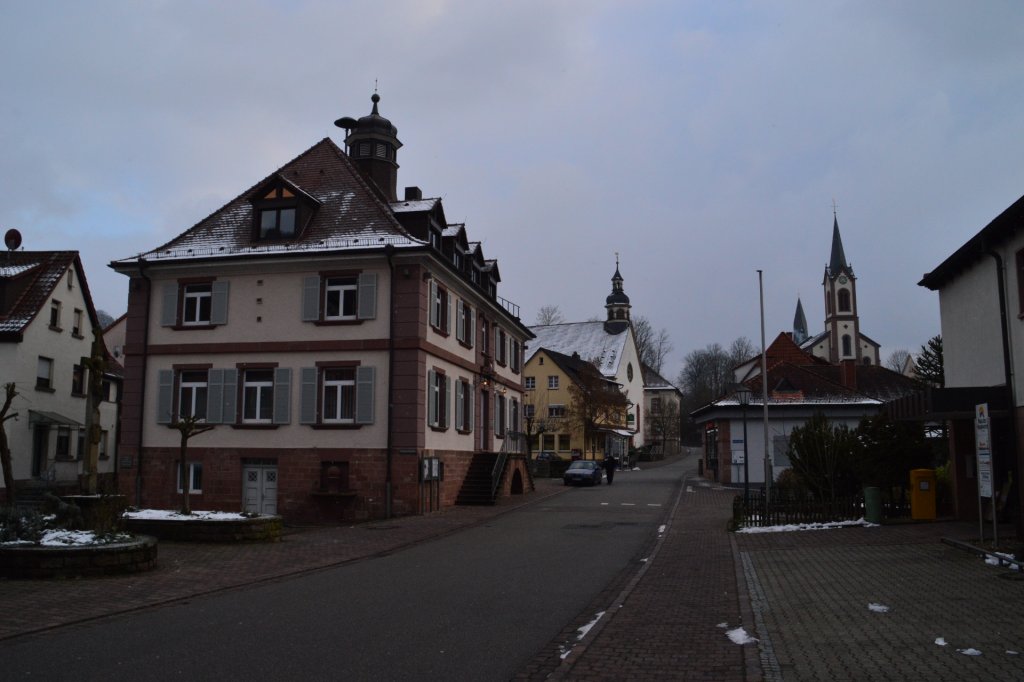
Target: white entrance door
<point>260,485</point>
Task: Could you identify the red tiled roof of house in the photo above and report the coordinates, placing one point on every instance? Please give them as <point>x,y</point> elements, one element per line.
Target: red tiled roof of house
<point>28,278</point>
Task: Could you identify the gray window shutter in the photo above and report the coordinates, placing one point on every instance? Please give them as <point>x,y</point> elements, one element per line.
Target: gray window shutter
<point>365,379</point>
<point>311,299</point>
<point>460,325</point>
<point>307,396</point>
<point>458,405</point>
<point>164,399</point>
<point>282,395</point>
<point>448,314</point>
<point>430,306</point>
<point>431,405</point>
<point>470,404</point>
<point>219,302</point>
<point>472,328</point>
<point>215,397</point>
<point>169,313</point>
<point>367,296</point>
<point>230,394</point>
<point>447,398</point>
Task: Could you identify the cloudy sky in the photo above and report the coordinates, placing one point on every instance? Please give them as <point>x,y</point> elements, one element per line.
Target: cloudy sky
<point>702,141</point>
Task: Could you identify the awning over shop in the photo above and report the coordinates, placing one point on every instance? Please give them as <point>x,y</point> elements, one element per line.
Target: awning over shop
<point>50,419</point>
<point>626,433</point>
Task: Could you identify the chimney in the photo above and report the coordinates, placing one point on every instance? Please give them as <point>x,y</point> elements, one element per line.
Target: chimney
<point>848,374</point>
<point>413,194</point>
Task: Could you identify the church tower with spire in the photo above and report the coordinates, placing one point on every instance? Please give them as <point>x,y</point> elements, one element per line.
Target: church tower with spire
<point>799,324</point>
<point>842,322</point>
<point>617,304</point>
<point>372,143</point>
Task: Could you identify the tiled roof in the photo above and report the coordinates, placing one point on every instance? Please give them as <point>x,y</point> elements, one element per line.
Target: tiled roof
<point>572,365</point>
<point>589,339</point>
<point>414,206</point>
<point>350,216</point>
<point>654,381</point>
<point>33,274</point>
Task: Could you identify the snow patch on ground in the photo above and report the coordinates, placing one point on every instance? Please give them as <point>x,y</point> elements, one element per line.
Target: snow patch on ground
<point>72,538</point>
<point>878,608</point>
<point>740,636</point>
<point>567,648</point>
<point>970,651</point>
<point>172,515</point>
<point>787,528</point>
<point>722,625</point>
<point>941,641</point>
<point>1001,558</point>
<point>661,529</point>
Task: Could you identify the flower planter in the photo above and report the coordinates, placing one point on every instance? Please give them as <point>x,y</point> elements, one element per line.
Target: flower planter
<point>256,529</point>
<point>78,561</point>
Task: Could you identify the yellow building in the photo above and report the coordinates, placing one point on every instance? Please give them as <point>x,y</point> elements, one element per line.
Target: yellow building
<point>549,379</point>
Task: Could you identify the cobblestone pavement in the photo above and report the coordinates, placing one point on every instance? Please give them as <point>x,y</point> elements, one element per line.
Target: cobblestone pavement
<point>812,592</point>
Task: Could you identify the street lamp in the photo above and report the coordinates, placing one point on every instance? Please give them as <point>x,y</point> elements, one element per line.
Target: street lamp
<point>743,396</point>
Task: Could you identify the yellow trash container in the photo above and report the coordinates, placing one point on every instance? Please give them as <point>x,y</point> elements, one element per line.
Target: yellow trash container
<point>922,494</point>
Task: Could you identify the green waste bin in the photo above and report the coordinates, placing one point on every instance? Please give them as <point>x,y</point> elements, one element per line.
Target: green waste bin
<point>873,505</point>
<point>922,494</point>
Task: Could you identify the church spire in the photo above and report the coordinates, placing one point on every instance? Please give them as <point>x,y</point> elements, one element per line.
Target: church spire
<point>799,324</point>
<point>838,260</point>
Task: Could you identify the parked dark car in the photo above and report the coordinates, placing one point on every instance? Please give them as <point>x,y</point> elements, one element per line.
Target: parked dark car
<point>548,456</point>
<point>583,471</point>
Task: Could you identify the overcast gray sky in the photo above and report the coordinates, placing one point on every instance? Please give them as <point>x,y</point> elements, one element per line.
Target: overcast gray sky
<point>702,141</point>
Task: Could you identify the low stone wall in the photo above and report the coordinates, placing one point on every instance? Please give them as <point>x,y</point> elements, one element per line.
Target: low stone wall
<point>258,529</point>
<point>78,561</point>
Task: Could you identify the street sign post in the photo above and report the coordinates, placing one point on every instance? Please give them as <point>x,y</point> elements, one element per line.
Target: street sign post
<point>983,447</point>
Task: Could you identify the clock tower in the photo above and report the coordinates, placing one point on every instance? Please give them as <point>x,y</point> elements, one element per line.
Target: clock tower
<point>842,323</point>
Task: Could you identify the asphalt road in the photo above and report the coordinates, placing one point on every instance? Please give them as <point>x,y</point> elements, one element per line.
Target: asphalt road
<point>476,605</point>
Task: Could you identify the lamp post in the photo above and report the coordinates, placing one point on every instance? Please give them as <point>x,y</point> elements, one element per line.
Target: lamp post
<point>743,396</point>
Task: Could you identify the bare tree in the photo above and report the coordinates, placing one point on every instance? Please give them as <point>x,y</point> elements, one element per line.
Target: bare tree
<point>549,314</point>
<point>741,350</point>
<point>708,372</point>
<point>96,363</point>
<point>188,426</point>
<point>10,392</point>
<point>652,346</point>
<point>898,359</point>
<point>535,418</point>
<point>596,402</point>
<point>663,420</point>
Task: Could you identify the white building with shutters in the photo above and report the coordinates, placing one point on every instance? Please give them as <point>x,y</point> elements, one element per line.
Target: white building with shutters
<point>349,348</point>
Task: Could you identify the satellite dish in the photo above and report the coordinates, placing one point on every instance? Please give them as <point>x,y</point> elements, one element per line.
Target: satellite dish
<point>12,238</point>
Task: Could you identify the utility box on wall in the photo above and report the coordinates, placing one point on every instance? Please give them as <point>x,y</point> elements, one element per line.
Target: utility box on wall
<point>922,494</point>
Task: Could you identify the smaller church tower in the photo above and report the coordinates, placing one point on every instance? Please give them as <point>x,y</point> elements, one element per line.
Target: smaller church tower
<point>372,144</point>
<point>617,304</point>
<point>842,323</point>
<point>799,324</point>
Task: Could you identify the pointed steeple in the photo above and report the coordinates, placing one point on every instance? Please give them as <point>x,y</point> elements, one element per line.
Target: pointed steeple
<point>838,260</point>
<point>799,324</point>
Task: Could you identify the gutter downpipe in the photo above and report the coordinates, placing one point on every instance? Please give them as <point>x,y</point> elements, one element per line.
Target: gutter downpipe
<point>1008,377</point>
<point>142,388</point>
<point>389,252</point>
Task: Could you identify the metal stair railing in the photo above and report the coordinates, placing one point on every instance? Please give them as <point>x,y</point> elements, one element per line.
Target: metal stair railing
<point>512,444</point>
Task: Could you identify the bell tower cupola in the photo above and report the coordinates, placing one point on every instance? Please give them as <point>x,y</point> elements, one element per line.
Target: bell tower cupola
<point>372,144</point>
<point>617,304</point>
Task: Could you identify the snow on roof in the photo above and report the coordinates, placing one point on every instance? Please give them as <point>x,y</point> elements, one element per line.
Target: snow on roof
<point>589,339</point>
<point>414,206</point>
<point>14,270</point>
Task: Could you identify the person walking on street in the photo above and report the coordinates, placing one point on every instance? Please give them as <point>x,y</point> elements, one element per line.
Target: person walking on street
<point>609,468</point>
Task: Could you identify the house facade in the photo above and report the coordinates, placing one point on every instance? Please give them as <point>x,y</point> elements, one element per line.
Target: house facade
<point>799,385</point>
<point>981,304</point>
<point>348,347</point>
<point>662,413</point>
<point>46,341</point>
<point>549,418</point>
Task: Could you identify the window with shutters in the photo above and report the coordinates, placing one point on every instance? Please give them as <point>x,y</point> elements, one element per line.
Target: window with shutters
<point>190,304</point>
<point>464,406</point>
<point>337,395</point>
<point>192,392</point>
<point>438,390</point>
<point>440,303</point>
<point>500,410</point>
<point>78,381</point>
<point>515,352</point>
<point>339,297</point>
<point>465,323</point>
<point>500,346</point>
<point>257,396</point>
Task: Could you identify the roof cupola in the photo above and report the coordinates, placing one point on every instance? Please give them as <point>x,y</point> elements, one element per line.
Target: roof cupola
<point>617,304</point>
<point>372,143</point>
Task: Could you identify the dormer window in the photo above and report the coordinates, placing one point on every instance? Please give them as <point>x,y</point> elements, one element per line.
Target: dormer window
<point>280,211</point>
